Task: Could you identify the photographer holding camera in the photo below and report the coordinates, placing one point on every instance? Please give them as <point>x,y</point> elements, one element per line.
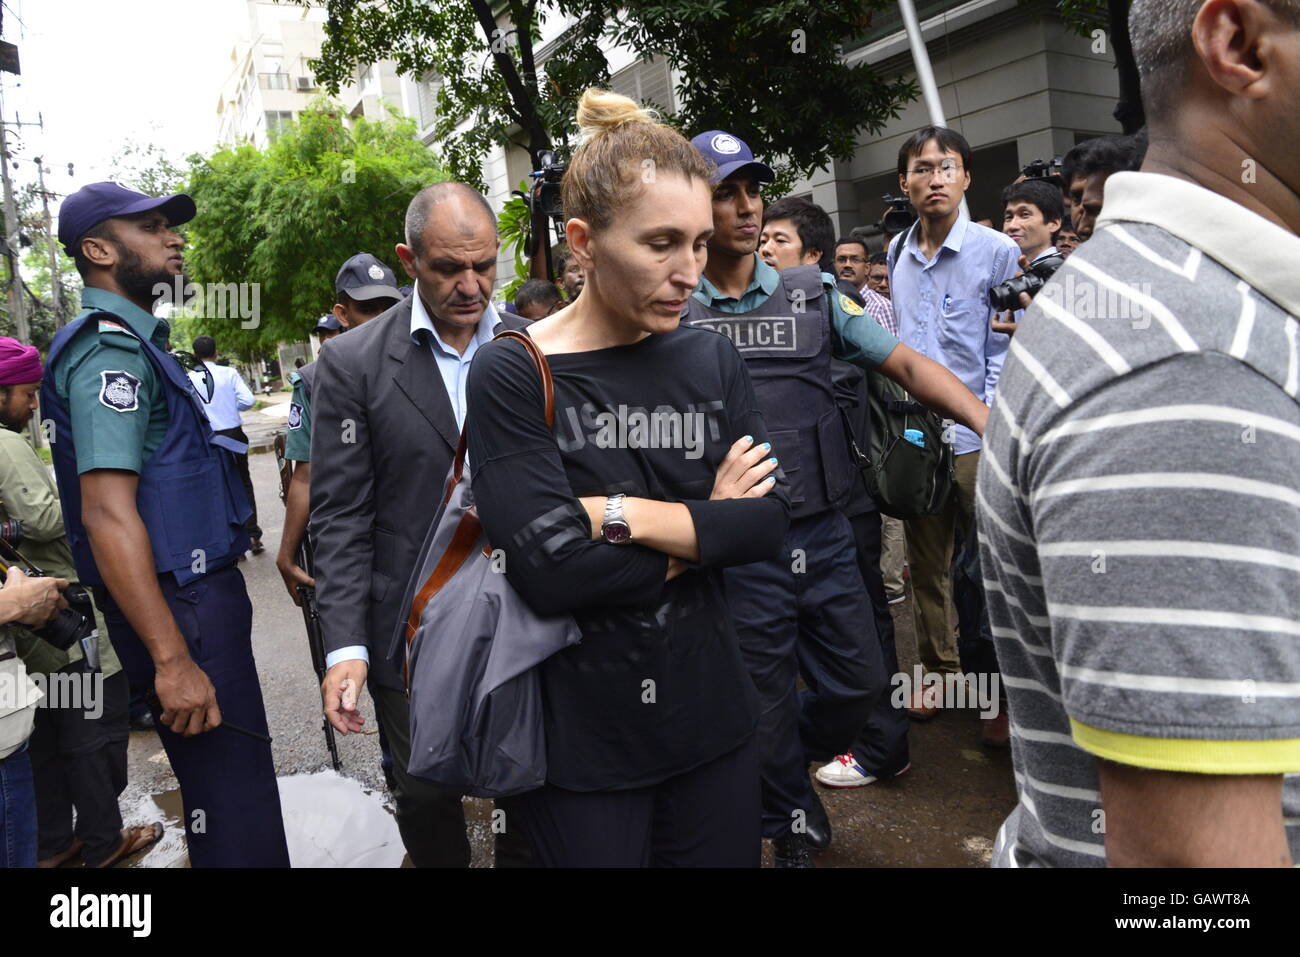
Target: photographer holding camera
<point>1033,212</point>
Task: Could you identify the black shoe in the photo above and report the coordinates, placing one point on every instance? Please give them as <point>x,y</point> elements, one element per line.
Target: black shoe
<point>257,546</point>
<point>142,722</point>
<point>791,850</point>
<point>817,834</point>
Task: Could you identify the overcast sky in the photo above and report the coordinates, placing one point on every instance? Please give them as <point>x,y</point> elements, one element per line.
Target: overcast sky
<point>104,73</point>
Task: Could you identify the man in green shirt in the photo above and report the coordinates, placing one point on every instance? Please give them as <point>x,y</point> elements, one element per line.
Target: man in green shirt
<point>78,746</point>
<point>155,518</point>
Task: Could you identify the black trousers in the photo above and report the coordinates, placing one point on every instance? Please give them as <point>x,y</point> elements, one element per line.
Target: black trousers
<point>79,761</point>
<point>241,463</point>
<point>881,748</point>
<point>431,819</point>
<point>710,816</point>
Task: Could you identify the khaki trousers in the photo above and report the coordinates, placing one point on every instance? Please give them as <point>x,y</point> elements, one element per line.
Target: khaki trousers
<point>929,545</point>
<point>893,544</point>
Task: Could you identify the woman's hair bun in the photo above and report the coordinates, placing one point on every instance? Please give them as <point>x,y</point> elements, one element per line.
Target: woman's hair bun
<point>600,111</point>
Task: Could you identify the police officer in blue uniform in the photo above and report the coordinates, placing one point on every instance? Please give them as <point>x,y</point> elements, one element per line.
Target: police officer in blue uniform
<point>806,612</point>
<point>155,516</point>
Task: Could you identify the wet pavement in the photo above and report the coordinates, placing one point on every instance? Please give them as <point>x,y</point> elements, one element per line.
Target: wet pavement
<point>943,813</point>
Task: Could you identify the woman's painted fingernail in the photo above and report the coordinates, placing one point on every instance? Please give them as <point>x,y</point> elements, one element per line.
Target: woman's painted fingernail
<point>749,439</point>
<point>767,446</point>
<point>774,460</point>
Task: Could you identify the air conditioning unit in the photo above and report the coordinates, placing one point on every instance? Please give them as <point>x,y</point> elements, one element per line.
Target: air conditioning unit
<point>306,83</point>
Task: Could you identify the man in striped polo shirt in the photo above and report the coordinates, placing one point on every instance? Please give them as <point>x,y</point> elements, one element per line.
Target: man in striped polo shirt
<point>1139,495</point>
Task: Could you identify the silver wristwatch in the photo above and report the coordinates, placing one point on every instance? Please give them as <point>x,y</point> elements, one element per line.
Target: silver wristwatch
<point>615,528</point>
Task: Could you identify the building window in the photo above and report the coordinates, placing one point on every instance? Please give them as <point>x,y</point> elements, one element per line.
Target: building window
<point>649,82</point>
<point>273,81</point>
<point>277,121</point>
<point>426,99</point>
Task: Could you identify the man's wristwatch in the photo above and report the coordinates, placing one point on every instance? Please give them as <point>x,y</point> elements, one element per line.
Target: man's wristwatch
<point>615,529</point>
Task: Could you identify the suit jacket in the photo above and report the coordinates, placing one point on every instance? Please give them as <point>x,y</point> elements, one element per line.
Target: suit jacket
<point>382,441</point>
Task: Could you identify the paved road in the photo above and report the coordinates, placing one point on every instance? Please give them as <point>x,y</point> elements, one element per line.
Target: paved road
<point>944,812</point>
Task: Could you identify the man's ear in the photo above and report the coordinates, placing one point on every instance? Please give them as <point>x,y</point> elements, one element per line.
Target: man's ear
<point>1232,41</point>
<point>99,252</point>
<point>407,255</point>
<point>812,256</point>
<point>1053,226</point>
<point>341,314</point>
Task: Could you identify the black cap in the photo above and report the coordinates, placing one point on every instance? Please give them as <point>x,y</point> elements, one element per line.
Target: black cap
<point>365,277</point>
<point>91,205</point>
<point>328,323</point>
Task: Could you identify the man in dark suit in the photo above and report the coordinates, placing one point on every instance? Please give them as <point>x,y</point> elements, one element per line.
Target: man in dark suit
<point>389,406</point>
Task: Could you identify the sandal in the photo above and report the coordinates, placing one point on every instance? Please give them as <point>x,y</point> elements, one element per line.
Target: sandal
<point>135,840</point>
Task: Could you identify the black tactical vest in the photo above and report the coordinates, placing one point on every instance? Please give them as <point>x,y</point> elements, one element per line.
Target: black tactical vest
<point>786,344</point>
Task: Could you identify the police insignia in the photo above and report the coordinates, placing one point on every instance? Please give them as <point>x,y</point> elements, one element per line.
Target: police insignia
<point>295,415</point>
<point>120,391</point>
<point>849,306</point>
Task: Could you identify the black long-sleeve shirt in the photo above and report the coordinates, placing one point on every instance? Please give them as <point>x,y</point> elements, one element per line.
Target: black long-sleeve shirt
<point>657,685</point>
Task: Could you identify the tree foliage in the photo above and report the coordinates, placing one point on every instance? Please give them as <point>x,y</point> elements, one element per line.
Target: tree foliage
<point>285,218</point>
<point>771,73</point>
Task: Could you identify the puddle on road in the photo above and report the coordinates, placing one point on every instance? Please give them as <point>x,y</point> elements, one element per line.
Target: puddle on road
<point>329,821</point>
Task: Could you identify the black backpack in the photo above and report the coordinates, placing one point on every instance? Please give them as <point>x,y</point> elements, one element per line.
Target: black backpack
<point>906,480</point>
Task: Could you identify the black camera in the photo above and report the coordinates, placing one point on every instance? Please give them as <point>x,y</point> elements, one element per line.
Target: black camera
<point>73,623</point>
<point>1049,170</point>
<point>1006,295</point>
<point>548,198</point>
<point>900,215</point>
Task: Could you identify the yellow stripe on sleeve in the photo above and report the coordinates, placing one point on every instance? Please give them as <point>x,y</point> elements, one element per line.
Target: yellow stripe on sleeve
<point>1195,755</point>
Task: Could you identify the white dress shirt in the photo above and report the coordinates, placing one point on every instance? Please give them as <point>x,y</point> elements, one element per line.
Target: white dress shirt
<point>230,396</point>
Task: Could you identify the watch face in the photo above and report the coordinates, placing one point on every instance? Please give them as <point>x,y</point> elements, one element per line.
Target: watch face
<point>616,532</point>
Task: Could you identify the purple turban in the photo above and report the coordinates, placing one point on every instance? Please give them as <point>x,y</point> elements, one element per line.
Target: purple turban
<point>19,364</point>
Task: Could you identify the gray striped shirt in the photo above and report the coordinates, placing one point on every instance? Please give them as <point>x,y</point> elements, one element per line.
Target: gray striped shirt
<point>1139,513</point>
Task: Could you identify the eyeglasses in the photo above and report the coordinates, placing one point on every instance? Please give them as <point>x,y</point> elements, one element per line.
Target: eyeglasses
<point>845,260</point>
<point>947,168</point>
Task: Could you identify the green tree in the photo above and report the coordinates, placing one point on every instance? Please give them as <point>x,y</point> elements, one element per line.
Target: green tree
<point>771,73</point>
<point>285,218</point>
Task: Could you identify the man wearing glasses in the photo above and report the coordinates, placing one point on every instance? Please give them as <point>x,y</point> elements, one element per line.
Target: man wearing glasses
<point>940,272</point>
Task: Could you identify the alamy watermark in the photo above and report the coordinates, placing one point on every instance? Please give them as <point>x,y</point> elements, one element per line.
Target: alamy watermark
<point>76,691</point>
<point>934,690</point>
<point>213,300</point>
<point>636,427</point>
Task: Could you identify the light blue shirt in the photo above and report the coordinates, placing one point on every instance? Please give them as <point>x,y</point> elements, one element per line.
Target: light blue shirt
<point>942,305</point>
<point>453,365</point>
<point>856,338</point>
<point>230,396</point>
<point>455,371</point>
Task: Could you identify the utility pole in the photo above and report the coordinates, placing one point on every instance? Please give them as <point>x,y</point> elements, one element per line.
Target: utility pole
<point>56,286</point>
<point>17,308</point>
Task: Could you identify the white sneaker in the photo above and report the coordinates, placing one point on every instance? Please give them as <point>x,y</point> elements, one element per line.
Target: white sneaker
<point>845,772</point>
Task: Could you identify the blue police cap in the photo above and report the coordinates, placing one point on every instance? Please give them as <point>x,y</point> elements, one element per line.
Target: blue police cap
<point>328,323</point>
<point>364,277</point>
<point>730,154</point>
<point>91,205</point>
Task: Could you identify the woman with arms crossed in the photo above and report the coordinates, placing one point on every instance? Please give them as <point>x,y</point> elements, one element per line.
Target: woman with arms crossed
<point>658,474</point>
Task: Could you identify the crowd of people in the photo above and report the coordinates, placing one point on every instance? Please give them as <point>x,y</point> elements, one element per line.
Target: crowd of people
<point>1114,554</point>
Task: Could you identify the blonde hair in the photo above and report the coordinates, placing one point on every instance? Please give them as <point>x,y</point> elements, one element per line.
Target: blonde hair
<point>618,143</point>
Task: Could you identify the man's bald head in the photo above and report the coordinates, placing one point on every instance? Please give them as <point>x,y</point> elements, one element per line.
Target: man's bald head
<point>453,206</point>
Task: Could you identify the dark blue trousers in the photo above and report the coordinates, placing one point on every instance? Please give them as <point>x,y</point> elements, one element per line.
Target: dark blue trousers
<point>806,613</point>
<point>227,779</point>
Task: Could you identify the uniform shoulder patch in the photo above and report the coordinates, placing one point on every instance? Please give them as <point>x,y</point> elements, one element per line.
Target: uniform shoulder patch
<point>295,415</point>
<point>119,390</point>
<point>112,332</point>
<point>849,306</point>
